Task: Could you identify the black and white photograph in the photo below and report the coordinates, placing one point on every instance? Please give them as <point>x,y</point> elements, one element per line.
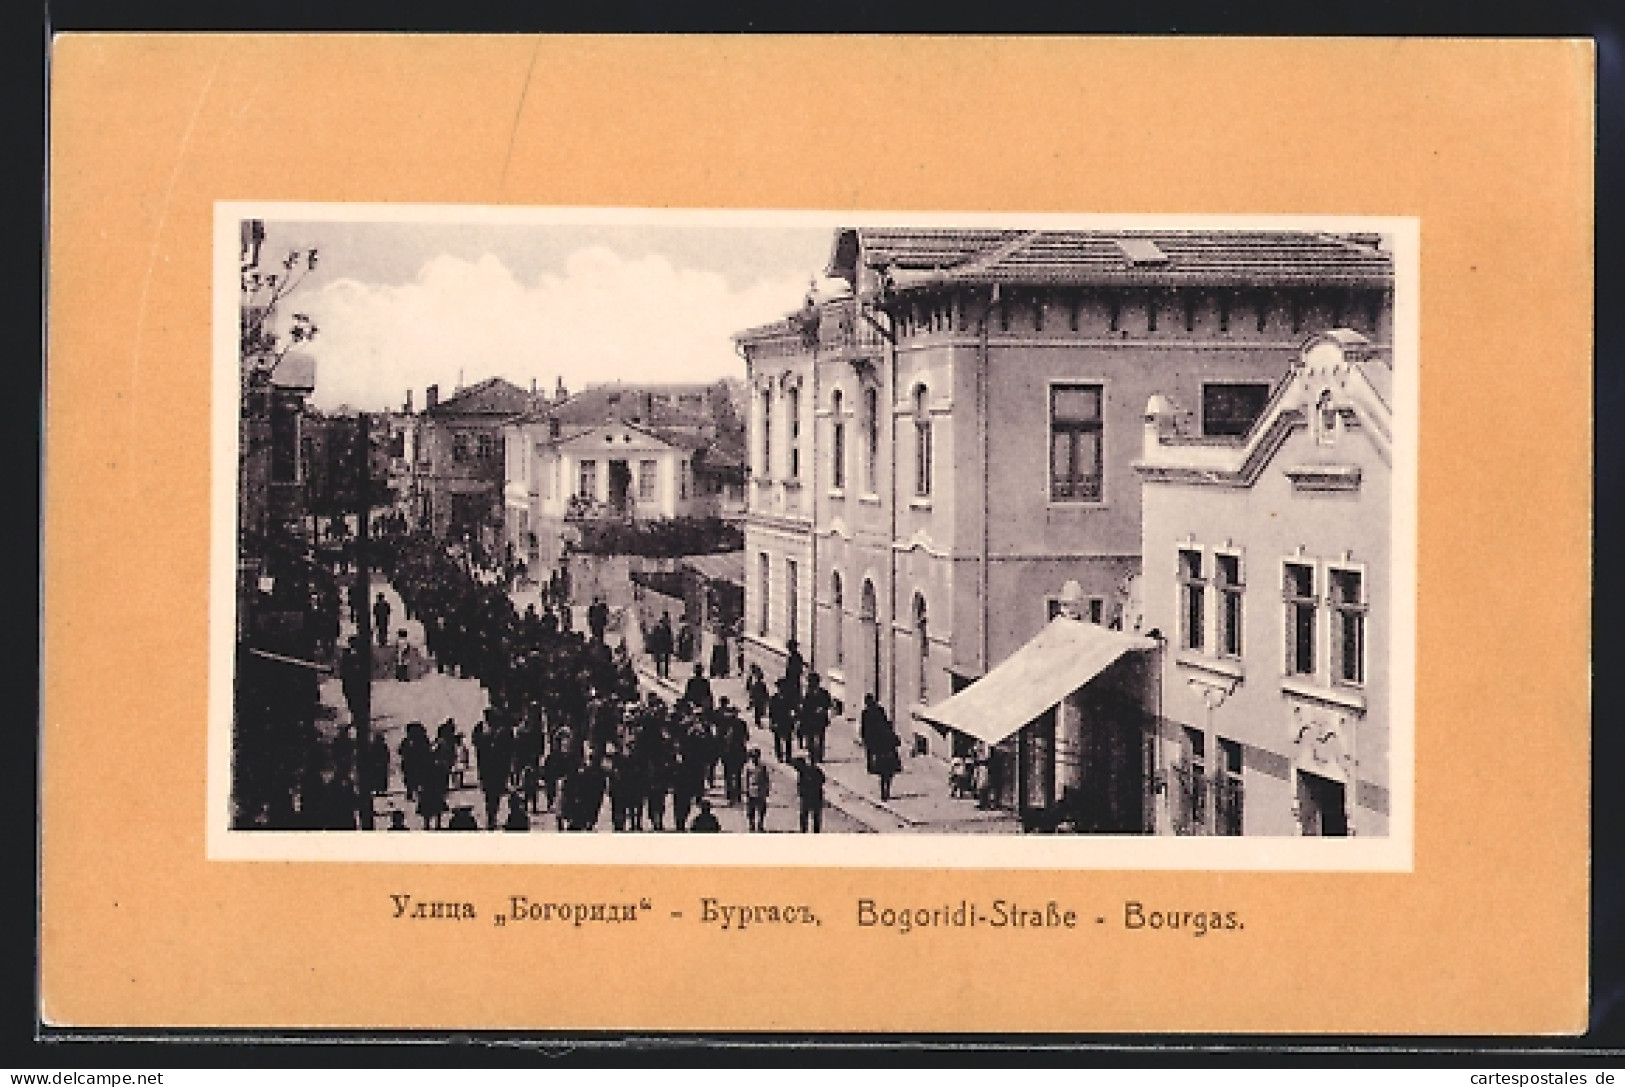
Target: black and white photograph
<point>624,535</point>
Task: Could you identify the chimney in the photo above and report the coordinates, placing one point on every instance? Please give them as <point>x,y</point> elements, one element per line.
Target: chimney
<point>431,398</point>
<point>559,391</point>
<point>409,401</point>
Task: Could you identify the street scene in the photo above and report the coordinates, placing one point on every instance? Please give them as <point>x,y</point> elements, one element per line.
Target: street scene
<point>563,527</point>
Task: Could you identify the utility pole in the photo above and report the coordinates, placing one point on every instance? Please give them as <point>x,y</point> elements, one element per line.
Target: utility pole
<point>363,723</point>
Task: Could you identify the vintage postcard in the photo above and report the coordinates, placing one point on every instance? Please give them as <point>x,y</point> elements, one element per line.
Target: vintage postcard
<point>786,522</point>
<point>597,516</point>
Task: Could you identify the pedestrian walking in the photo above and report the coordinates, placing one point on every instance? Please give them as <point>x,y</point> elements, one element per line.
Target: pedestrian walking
<point>698,690</point>
<point>735,744</point>
<point>518,813</point>
<point>758,785</point>
<point>403,657</point>
<point>706,821</point>
<point>380,620</point>
<point>794,665</point>
<point>781,717</point>
<point>756,692</point>
<point>660,645</point>
<point>880,744</point>
<point>816,706</point>
<point>810,794</point>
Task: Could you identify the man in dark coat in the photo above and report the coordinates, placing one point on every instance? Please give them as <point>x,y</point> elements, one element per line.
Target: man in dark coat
<point>698,690</point>
<point>353,676</point>
<point>880,744</point>
<point>815,710</point>
<point>380,620</point>
<point>660,645</point>
<point>781,718</point>
<point>598,618</point>
<point>735,744</point>
<point>810,793</point>
<point>794,665</point>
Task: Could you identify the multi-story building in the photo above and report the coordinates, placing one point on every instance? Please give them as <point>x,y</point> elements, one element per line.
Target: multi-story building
<point>940,449</point>
<point>1269,574</point>
<point>459,476</point>
<point>643,452</point>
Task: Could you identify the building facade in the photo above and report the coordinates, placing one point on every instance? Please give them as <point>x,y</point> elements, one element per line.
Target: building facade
<point>614,451</point>
<point>1269,573</point>
<point>459,460</point>
<point>948,440</point>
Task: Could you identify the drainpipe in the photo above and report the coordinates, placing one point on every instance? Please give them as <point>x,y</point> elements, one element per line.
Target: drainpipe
<point>983,571</point>
<point>891,542</point>
<point>812,512</point>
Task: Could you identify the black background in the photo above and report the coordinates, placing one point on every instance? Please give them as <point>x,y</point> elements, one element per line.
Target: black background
<point>28,1045</point>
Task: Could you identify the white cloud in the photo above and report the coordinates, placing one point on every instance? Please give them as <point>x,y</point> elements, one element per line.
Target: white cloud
<point>605,318</point>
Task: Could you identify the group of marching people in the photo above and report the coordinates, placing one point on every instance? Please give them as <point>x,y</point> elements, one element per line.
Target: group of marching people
<point>565,733</point>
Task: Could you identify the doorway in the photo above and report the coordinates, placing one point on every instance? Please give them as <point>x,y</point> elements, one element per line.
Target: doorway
<point>1322,810</point>
<point>620,483</point>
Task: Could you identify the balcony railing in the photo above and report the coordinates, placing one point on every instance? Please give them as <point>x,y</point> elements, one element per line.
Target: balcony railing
<point>844,332</point>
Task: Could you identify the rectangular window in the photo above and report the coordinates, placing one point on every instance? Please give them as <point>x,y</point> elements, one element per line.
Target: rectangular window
<point>837,453</point>
<point>793,407</point>
<point>647,479</point>
<point>1230,409</point>
<point>871,436</point>
<point>589,480</point>
<point>764,573</point>
<point>767,435</point>
<point>1348,626</point>
<point>1299,588</point>
<point>487,447</point>
<point>791,599</point>
<point>922,458</point>
<point>1227,573</point>
<point>1075,443</point>
<point>1227,789</point>
<point>459,447</point>
<point>1193,600</point>
<point>683,478</point>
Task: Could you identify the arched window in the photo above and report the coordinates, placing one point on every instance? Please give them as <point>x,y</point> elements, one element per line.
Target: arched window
<point>763,577</point>
<point>838,616</point>
<point>837,442</point>
<point>922,633</point>
<point>922,444</point>
<point>871,438</point>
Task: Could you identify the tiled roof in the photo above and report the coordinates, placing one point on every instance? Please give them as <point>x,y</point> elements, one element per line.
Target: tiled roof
<point>493,396</point>
<point>601,403</point>
<point>919,257</point>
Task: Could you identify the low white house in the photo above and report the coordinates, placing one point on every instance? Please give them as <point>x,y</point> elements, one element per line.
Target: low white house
<point>616,469</point>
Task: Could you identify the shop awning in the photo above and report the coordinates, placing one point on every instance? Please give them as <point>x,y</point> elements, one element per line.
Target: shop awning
<point>1061,658</point>
<point>728,566</point>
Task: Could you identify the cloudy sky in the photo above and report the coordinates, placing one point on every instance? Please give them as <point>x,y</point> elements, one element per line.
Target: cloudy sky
<point>404,305</point>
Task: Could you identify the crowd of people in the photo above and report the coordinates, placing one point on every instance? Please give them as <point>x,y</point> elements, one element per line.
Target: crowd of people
<point>567,735</point>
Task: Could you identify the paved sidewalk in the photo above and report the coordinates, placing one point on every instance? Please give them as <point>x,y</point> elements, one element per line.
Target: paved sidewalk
<point>920,800</point>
